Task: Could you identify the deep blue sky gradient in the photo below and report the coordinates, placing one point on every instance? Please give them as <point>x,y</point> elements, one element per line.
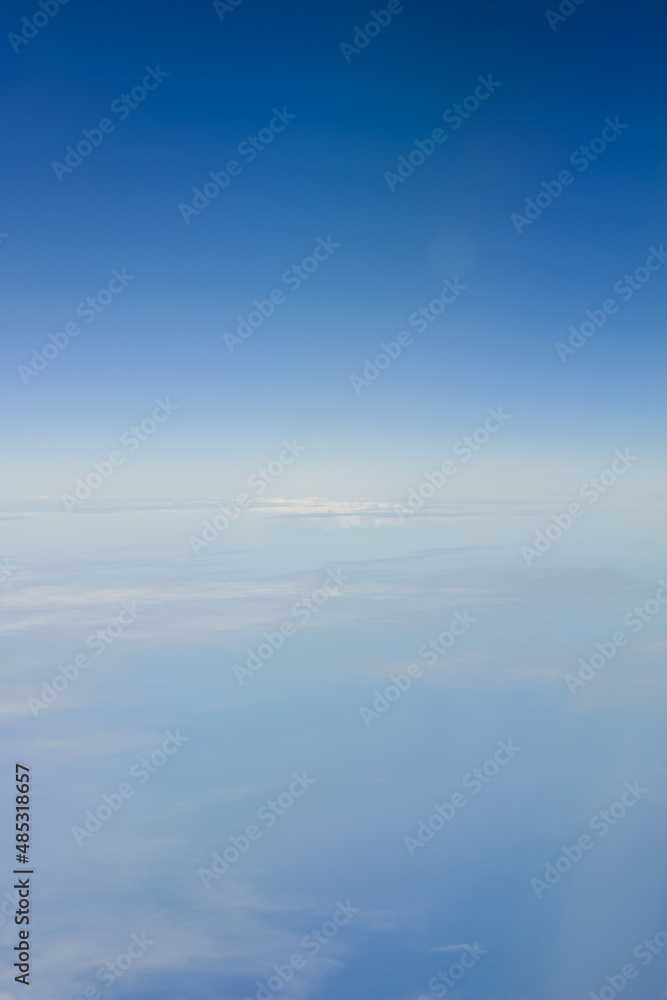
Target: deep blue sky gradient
<point>324,176</point>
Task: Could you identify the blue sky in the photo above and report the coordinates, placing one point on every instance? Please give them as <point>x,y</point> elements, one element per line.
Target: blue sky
<point>139,429</point>
<point>323,176</point>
